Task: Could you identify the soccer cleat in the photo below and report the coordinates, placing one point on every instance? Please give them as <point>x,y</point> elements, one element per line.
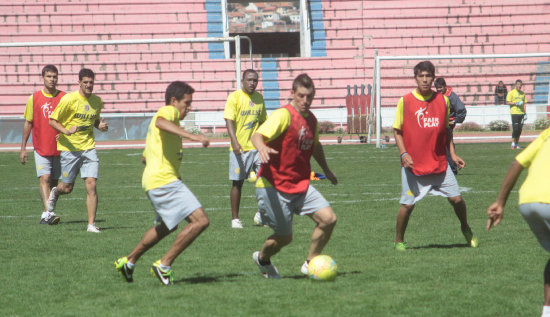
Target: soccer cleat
<point>165,277</point>
<point>471,239</point>
<point>400,246</point>
<point>52,200</point>
<point>92,228</point>
<point>122,266</point>
<point>51,219</point>
<point>258,219</point>
<point>513,146</point>
<point>305,268</point>
<point>236,224</point>
<point>268,271</point>
<point>518,147</point>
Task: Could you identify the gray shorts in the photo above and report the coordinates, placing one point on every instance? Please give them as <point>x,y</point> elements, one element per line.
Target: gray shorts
<point>277,209</point>
<point>85,162</point>
<point>537,216</point>
<point>414,187</point>
<point>173,203</point>
<point>47,165</point>
<point>240,165</point>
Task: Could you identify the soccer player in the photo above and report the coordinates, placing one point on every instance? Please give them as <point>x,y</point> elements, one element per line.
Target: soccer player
<point>516,100</point>
<point>74,118</point>
<point>421,131</point>
<point>457,113</point>
<point>40,106</point>
<point>534,198</point>
<point>243,114</point>
<point>286,142</point>
<point>171,199</point>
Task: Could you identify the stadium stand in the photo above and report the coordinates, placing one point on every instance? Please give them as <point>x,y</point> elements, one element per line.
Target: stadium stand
<point>345,35</point>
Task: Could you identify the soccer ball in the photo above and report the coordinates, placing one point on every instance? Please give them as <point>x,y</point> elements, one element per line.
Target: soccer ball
<point>323,268</point>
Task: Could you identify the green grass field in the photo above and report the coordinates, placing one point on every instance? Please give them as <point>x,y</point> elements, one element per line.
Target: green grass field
<point>64,271</point>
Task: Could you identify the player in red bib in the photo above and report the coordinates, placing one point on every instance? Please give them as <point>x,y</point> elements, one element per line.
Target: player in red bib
<point>285,142</point>
<point>40,106</point>
<point>421,131</point>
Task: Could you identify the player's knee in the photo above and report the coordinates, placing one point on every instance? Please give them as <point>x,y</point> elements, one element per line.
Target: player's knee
<point>457,200</point>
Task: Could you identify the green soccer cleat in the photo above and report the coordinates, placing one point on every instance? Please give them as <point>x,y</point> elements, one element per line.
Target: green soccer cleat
<point>165,277</point>
<point>400,246</point>
<point>122,266</point>
<point>471,239</point>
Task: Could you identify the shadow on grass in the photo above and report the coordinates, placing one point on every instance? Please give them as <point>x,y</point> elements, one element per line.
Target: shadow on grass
<point>441,246</point>
<point>209,279</point>
<point>301,276</point>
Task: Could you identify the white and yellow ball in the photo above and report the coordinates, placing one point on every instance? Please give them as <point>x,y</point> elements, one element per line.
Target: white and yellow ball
<point>323,268</point>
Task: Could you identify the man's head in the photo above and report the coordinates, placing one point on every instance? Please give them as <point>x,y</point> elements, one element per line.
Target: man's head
<point>303,91</point>
<point>86,79</point>
<point>424,74</point>
<point>519,84</point>
<point>440,85</point>
<point>501,83</point>
<point>249,81</point>
<point>50,77</point>
<point>180,95</point>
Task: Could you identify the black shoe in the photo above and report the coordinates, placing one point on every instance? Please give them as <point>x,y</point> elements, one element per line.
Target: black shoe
<point>50,220</point>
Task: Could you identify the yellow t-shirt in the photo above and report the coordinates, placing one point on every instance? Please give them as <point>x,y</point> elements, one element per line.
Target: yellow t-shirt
<point>77,110</point>
<point>247,113</point>
<point>398,121</point>
<point>515,96</point>
<point>163,152</point>
<point>29,108</point>
<point>277,123</point>
<point>536,157</point>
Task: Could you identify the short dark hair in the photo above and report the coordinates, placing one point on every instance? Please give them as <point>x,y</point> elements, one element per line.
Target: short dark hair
<point>86,72</point>
<point>440,82</point>
<point>49,68</point>
<point>246,72</point>
<point>424,66</point>
<point>177,89</point>
<point>519,81</point>
<point>303,80</point>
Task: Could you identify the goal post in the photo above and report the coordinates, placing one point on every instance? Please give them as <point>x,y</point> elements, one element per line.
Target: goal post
<point>475,73</point>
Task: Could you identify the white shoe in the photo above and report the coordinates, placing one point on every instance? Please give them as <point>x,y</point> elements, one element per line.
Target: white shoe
<point>305,268</point>
<point>258,219</point>
<point>269,271</point>
<point>52,200</point>
<point>236,224</point>
<point>92,228</point>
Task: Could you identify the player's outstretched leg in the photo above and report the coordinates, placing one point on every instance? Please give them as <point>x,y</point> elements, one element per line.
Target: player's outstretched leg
<point>325,220</point>
<point>459,206</point>
<point>403,216</point>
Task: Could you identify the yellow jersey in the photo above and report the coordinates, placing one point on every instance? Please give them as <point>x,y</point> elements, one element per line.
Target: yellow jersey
<point>163,152</point>
<point>247,112</point>
<point>536,156</point>
<point>77,110</point>
<point>515,96</point>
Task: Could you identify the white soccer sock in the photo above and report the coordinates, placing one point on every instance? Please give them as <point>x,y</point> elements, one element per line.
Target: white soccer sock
<point>45,215</point>
<point>130,265</point>
<point>165,268</point>
<point>545,311</point>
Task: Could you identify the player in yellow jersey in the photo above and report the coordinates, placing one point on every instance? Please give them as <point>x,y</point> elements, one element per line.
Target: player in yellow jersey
<point>534,198</point>
<point>243,114</point>
<point>171,199</point>
<point>516,100</point>
<point>74,118</point>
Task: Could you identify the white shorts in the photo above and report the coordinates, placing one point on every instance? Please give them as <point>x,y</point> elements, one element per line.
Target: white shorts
<point>173,203</point>
<point>240,165</point>
<point>85,162</point>
<point>537,216</point>
<point>277,209</point>
<point>47,165</point>
<point>414,187</point>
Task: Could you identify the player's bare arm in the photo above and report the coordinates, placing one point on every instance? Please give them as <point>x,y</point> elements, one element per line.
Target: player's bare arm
<point>406,158</point>
<point>496,210</point>
<point>61,129</point>
<point>263,150</point>
<point>319,156</point>
<point>27,128</point>
<point>171,127</point>
<point>230,124</point>
<point>452,151</point>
